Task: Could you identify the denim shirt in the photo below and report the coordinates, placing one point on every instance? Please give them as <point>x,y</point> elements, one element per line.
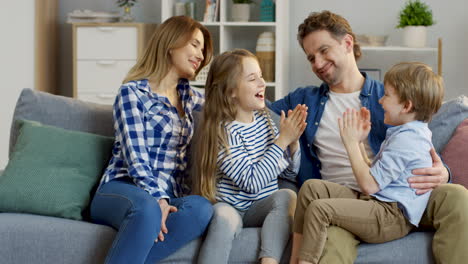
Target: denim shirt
<point>316,98</point>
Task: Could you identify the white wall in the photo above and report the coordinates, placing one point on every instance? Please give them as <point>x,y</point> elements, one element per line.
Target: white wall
<point>379,17</point>
<point>17,62</point>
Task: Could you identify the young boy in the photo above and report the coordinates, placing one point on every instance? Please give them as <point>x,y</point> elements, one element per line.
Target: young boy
<point>386,208</point>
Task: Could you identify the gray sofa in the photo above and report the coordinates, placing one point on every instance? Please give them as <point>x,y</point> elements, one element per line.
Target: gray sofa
<point>26,238</point>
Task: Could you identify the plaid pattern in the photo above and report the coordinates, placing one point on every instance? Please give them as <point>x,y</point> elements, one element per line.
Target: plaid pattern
<point>151,138</point>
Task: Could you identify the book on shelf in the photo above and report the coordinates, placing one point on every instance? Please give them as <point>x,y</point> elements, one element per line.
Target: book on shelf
<point>211,11</point>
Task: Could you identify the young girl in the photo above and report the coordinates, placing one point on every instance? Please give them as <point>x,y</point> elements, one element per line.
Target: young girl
<point>141,192</point>
<point>240,157</point>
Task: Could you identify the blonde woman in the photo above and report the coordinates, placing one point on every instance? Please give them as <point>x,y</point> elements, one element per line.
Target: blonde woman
<point>240,157</point>
<point>142,192</point>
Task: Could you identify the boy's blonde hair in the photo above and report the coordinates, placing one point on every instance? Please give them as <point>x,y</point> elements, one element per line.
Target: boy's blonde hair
<point>416,82</point>
<point>174,33</point>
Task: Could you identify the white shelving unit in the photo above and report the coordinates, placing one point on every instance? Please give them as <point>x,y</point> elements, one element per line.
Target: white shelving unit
<point>228,35</point>
<point>383,57</point>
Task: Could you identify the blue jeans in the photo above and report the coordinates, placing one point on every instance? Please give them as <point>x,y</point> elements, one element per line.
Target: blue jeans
<point>137,217</point>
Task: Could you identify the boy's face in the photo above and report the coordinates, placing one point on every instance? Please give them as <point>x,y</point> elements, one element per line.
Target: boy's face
<point>250,94</point>
<point>392,106</point>
<point>327,56</point>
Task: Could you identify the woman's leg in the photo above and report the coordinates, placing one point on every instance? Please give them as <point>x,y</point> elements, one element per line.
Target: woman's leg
<point>275,215</point>
<point>134,213</point>
<point>225,225</point>
<point>188,223</point>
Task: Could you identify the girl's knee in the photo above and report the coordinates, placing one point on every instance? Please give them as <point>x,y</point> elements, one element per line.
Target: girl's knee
<point>284,198</point>
<point>226,217</point>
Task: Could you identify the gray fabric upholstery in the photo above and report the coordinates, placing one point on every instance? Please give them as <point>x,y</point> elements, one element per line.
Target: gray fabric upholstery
<point>28,238</point>
<point>61,112</point>
<point>446,120</point>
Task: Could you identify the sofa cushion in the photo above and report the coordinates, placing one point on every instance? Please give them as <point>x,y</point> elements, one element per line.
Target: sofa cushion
<point>52,170</point>
<point>61,112</point>
<point>455,154</point>
<point>446,120</point>
<point>27,238</point>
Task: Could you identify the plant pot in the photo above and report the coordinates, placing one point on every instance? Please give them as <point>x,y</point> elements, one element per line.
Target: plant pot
<point>240,12</point>
<point>414,36</point>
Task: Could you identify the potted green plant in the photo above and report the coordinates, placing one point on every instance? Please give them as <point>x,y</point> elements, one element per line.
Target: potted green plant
<point>241,10</point>
<point>414,18</point>
<point>126,4</point>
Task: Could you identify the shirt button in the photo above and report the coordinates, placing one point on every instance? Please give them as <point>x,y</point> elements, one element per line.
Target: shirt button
<point>308,145</point>
<point>316,123</point>
<point>322,103</point>
<point>317,165</point>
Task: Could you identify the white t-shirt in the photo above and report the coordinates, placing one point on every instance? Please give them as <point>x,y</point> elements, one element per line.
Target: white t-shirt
<point>330,149</point>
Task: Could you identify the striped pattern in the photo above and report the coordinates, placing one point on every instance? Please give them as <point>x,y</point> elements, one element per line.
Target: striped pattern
<point>151,138</point>
<point>250,167</point>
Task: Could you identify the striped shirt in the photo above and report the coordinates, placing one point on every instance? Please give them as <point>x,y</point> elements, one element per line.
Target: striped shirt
<point>249,168</point>
<point>151,138</point>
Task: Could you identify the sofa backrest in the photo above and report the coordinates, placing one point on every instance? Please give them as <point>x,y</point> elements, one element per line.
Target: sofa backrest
<point>60,111</point>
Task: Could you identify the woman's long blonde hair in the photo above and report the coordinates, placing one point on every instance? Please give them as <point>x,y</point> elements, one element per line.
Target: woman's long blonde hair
<point>220,107</point>
<point>174,33</point>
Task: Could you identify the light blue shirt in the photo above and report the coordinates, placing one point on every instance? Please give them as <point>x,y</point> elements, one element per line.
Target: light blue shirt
<point>405,148</point>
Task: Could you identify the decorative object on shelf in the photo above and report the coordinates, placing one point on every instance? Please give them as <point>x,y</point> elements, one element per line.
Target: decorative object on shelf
<point>240,11</point>
<point>184,8</point>
<point>267,11</point>
<point>414,18</point>
<point>88,16</point>
<point>265,52</point>
<point>126,4</point>
<point>371,40</point>
<point>211,11</point>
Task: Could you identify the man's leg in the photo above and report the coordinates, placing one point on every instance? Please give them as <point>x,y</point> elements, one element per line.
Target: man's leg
<point>447,212</point>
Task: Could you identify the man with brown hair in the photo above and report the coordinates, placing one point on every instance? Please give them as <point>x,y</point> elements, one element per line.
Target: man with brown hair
<point>330,47</point>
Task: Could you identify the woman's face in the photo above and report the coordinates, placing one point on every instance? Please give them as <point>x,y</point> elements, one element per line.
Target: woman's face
<point>187,59</point>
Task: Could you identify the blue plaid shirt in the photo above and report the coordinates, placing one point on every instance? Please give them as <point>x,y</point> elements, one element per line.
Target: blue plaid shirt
<point>151,138</point>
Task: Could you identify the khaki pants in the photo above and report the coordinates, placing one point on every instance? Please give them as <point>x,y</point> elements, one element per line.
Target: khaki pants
<point>446,212</point>
<point>321,204</point>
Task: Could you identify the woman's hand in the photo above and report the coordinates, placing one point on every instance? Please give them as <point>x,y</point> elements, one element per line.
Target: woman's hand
<point>166,209</point>
<point>292,127</point>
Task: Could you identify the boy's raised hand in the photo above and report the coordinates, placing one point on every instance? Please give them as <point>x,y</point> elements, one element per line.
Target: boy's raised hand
<point>354,126</point>
<point>292,126</point>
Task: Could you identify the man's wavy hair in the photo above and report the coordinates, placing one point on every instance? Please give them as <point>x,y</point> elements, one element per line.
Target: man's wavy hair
<point>337,25</point>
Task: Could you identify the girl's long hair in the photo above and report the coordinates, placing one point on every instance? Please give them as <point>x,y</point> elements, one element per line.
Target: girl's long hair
<point>174,33</point>
<point>220,108</point>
